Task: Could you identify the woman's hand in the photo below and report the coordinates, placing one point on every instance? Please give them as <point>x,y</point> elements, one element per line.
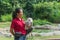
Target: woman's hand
<point>11,31</point>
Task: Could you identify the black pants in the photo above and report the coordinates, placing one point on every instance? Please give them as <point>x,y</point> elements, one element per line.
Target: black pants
<point>19,36</point>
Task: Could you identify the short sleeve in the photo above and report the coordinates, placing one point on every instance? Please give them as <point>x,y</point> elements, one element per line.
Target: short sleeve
<point>12,24</point>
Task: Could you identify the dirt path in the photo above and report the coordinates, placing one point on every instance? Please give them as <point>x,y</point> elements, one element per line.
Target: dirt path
<point>53,39</point>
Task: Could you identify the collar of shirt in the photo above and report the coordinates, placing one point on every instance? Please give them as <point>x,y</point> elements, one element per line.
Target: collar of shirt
<point>19,19</point>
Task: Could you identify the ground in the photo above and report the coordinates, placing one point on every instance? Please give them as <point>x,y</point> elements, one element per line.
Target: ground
<point>7,24</point>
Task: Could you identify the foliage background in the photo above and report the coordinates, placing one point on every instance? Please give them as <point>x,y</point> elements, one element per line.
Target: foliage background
<point>48,10</point>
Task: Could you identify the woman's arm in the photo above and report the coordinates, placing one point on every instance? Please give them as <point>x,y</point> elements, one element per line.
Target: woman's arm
<point>12,28</point>
<point>12,31</point>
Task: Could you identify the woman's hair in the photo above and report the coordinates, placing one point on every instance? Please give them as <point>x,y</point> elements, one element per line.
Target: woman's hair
<point>14,14</point>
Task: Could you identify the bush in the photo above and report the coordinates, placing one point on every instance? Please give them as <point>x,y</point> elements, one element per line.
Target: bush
<point>55,16</point>
<point>43,10</point>
<point>6,17</point>
<point>47,10</point>
<point>40,22</point>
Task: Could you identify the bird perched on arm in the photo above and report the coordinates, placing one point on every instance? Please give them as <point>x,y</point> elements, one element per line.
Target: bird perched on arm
<point>29,23</point>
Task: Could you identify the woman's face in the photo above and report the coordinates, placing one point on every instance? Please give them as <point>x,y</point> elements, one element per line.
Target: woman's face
<point>20,14</point>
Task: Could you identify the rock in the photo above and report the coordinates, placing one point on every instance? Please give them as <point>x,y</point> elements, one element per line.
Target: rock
<point>47,34</point>
<point>5,32</point>
<point>56,32</point>
<point>1,33</point>
<point>7,35</point>
<point>35,34</point>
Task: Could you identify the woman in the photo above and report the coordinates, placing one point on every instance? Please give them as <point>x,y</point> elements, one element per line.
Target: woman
<point>17,28</point>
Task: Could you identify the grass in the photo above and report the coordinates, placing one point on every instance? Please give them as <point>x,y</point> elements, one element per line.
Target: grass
<point>31,38</point>
<point>44,37</point>
<point>40,30</point>
<point>4,24</point>
<point>5,38</point>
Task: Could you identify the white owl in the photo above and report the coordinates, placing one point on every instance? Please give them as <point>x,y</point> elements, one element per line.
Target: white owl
<point>29,23</point>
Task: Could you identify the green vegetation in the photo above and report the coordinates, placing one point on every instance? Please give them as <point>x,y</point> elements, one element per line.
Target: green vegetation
<point>42,31</point>
<point>4,24</point>
<point>5,38</point>
<point>47,11</point>
<point>32,38</point>
<point>6,17</point>
<point>41,22</point>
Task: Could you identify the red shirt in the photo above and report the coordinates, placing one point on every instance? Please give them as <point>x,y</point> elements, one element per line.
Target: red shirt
<point>18,25</point>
